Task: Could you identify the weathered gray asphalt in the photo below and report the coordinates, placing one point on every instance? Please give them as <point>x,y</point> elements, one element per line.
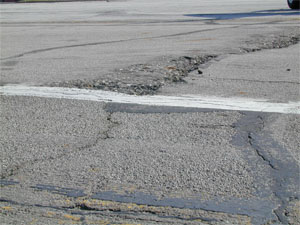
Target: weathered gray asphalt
<point>71,161</point>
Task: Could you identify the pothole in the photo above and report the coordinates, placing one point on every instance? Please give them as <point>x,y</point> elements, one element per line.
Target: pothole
<point>271,42</point>
<point>148,78</point>
<point>142,79</point>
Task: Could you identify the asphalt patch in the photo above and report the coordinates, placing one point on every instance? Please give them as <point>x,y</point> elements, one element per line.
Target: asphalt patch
<point>8,182</point>
<point>69,192</point>
<point>283,169</point>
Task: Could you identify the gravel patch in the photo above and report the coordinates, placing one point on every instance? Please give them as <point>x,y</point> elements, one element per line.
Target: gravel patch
<point>143,79</point>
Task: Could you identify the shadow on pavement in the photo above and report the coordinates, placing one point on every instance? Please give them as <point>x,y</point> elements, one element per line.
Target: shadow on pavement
<point>264,13</point>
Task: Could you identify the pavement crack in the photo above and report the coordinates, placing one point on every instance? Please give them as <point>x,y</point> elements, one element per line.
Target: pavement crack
<point>106,42</point>
<point>278,214</point>
<point>258,151</point>
<point>83,210</point>
<point>276,43</point>
<point>14,169</point>
<point>250,128</point>
<point>83,206</point>
<point>257,81</point>
<point>146,210</point>
<point>112,124</point>
<point>31,205</point>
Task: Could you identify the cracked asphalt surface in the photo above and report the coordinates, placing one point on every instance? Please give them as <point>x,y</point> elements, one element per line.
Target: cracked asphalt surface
<point>83,162</point>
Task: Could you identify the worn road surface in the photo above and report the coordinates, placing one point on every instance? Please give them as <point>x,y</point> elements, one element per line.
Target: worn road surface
<point>150,112</point>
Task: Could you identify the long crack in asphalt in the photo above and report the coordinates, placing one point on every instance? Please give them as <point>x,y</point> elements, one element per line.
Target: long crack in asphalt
<point>14,169</point>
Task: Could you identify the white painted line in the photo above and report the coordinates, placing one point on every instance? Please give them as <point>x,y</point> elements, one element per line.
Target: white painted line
<point>193,101</point>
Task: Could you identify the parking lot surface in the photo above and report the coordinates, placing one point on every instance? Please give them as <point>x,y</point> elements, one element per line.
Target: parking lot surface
<point>150,112</point>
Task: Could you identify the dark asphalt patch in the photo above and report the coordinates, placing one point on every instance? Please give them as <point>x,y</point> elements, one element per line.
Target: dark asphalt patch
<point>145,109</point>
<point>257,209</point>
<point>8,182</point>
<point>69,192</point>
<point>283,168</point>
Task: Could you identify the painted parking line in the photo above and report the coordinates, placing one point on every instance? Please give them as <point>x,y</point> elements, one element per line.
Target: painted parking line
<point>192,101</point>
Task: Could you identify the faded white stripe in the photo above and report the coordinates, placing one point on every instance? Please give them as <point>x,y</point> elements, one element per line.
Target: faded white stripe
<point>193,101</point>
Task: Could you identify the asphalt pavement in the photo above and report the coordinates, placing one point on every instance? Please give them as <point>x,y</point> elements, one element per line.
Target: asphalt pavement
<point>68,160</point>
